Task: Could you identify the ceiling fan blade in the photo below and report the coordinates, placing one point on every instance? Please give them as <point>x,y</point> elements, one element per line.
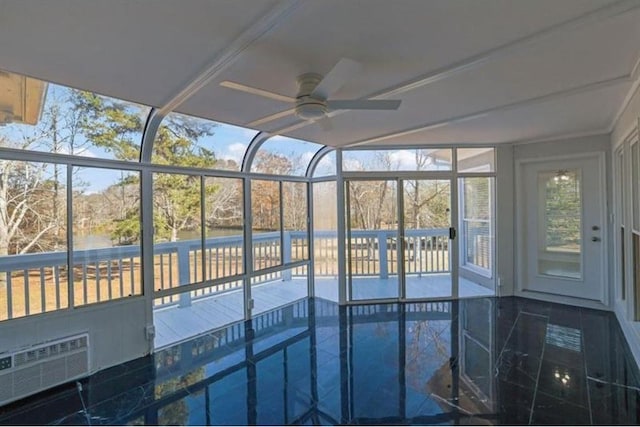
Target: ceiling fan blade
<point>272,117</point>
<point>365,104</point>
<point>336,78</point>
<point>256,91</point>
<point>325,124</point>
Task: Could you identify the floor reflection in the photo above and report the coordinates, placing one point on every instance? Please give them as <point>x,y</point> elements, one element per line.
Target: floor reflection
<point>475,361</point>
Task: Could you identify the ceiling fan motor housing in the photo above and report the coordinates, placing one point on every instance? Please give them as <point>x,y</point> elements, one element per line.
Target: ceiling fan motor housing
<point>308,107</point>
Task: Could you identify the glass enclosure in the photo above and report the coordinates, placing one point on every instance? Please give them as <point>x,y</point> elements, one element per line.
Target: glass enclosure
<point>184,140</point>
<point>280,155</point>
<point>398,160</point>
<point>219,223</point>
<point>414,235</point>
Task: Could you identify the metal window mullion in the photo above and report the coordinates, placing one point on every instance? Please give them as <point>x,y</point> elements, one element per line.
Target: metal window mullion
<point>310,242</point>
<point>453,220</point>
<point>280,185</point>
<point>315,160</point>
<point>400,247</point>
<point>346,252</point>
<point>248,246</point>
<point>340,231</point>
<point>203,227</point>
<point>69,220</point>
<point>147,256</point>
<point>460,221</point>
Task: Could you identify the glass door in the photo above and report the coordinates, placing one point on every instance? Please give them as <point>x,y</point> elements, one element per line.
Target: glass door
<point>427,249</point>
<point>372,239</point>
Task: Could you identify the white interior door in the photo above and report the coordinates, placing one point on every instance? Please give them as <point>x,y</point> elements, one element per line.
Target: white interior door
<point>562,211</point>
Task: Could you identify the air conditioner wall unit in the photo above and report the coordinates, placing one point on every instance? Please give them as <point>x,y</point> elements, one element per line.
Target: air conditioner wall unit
<point>36,368</point>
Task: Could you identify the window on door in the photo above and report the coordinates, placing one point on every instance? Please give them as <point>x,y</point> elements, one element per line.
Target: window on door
<point>560,244</point>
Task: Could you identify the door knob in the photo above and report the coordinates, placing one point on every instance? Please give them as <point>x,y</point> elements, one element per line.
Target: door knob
<point>595,239</point>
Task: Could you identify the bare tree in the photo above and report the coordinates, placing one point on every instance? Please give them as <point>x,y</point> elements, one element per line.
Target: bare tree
<point>26,207</point>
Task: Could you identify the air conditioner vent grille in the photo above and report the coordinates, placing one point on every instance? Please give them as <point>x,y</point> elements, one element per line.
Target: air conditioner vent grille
<point>43,366</point>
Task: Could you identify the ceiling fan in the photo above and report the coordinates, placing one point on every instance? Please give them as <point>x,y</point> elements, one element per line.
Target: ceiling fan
<point>312,102</point>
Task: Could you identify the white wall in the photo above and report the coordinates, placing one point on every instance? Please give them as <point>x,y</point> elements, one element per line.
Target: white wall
<point>628,120</point>
<point>626,127</point>
<point>505,231</point>
<point>116,330</point>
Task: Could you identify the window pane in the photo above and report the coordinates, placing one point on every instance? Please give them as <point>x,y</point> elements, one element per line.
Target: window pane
<point>476,160</point>
<point>561,219</point>
<point>177,239</point>
<point>296,238</point>
<point>476,222</point>
<point>325,240</point>
<point>223,227</point>
<point>47,117</point>
<point>426,245</point>
<point>326,166</point>
<point>372,238</point>
<point>106,234</point>
<point>191,141</point>
<point>33,238</point>
<point>266,223</point>
<point>280,155</point>
<point>397,160</point>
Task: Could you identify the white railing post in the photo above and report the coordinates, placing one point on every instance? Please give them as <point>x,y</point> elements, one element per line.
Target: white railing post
<point>382,254</point>
<point>184,273</point>
<point>286,254</point>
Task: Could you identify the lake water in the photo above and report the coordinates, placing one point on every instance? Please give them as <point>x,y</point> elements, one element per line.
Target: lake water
<point>97,241</point>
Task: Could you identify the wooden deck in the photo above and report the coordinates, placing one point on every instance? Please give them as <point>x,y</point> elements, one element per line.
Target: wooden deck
<point>175,324</point>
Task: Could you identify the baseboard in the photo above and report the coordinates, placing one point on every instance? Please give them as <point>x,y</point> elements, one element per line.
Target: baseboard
<point>631,331</point>
<point>579,302</point>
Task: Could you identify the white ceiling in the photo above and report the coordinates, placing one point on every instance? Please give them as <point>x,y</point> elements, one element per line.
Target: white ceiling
<point>467,71</point>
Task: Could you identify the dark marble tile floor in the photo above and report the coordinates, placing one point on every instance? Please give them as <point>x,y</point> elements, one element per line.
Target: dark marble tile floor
<point>477,361</point>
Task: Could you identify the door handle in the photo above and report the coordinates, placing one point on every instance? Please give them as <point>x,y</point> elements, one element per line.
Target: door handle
<point>452,233</point>
<point>595,239</point>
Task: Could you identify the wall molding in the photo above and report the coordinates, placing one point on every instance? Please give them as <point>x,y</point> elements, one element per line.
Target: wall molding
<point>630,330</point>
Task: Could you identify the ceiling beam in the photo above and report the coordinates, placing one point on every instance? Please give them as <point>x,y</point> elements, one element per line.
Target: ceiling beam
<point>635,76</point>
<point>218,64</point>
<point>595,16</point>
<point>230,54</point>
<point>501,108</point>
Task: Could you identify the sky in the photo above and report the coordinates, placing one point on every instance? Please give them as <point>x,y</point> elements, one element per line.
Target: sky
<point>228,142</point>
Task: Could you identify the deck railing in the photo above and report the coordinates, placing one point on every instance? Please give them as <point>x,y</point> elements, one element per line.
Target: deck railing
<point>36,283</point>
